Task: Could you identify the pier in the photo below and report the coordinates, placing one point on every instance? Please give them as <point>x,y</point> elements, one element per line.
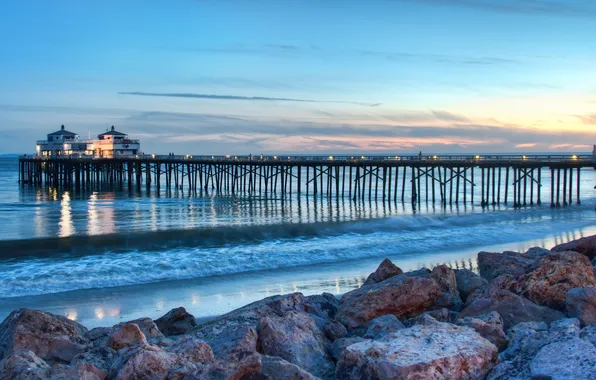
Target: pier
<point>488,179</point>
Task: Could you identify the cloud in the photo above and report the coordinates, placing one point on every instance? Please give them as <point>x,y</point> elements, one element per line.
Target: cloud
<point>527,145</point>
<point>573,8</point>
<point>448,116</point>
<point>245,98</point>
<point>589,119</point>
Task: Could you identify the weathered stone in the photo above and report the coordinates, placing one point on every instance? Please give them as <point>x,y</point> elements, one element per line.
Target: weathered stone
<point>192,349</point>
<point>382,326</point>
<point>50,337</point>
<point>549,280</point>
<point>440,315</point>
<point>489,326</point>
<point>440,350</point>
<point>586,246</point>
<point>468,282</point>
<point>141,362</point>
<point>581,304</point>
<point>340,345</point>
<point>100,335</point>
<point>403,296</point>
<point>276,368</point>
<point>512,308</point>
<point>385,270</point>
<point>127,336</point>
<point>326,304</point>
<point>23,364</point>
<point>335,330</point>
<point>248,368</point>
<point>449,295</point>
<point>588,334</point>
<point>233,341</point>
<point>537,252</point>
<point>100,357</point>
<point>176,322</point>
<point>492,265</point>
<point>296,338</point>
<point>570,359</point>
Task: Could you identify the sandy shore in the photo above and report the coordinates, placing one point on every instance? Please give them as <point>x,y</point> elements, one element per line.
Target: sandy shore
<point>212,296</point>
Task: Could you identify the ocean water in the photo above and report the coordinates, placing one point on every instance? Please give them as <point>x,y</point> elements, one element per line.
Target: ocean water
<point>65,248</point>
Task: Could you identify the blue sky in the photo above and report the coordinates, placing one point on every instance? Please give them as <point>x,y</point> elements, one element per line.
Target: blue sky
<point>236,77</point>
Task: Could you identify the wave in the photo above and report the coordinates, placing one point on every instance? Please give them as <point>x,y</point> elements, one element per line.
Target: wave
<point>231,250</point>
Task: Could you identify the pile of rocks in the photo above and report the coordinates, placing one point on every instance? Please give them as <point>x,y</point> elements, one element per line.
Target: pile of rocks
<point>527,315</point>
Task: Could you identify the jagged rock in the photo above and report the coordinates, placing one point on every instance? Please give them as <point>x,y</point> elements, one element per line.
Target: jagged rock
<point>382,326</point>
<point>489,326</point>
<point>403,296</point>
<point>492,265</point>
<point>439,350</point>
<point>340,345</point>
<point>441,315</point>
<point>99,336</point>
<point>588,334</point>
<point>586,246</point>
<point>468,282</point>
<point>276,368</point>
<point>512,308</point>
<point>525,341</point>
<point>127,336</point>
<point>570,359</point>
<point>100,358</point>
<point>246,369</point>
<point>141,362</point>
<point>23,364</point>
<point>581,304</point>
<point>537,252</point>
<point>50,337</point>
<point>549,280</point>
<point>296,338</point>
<point>233,341</point>
<point>449,295</point>
<point>192,349</point>
<point>335,330</point>
<point>326,303</point>
<point>176,322</point>
<point>385,270</point>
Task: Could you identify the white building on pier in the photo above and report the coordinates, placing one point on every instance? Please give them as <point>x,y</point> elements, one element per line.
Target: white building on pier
<point>108,144</point>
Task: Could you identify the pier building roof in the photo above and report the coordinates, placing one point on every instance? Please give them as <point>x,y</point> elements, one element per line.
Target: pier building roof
<point>111,132</point>
<point>62,131</point>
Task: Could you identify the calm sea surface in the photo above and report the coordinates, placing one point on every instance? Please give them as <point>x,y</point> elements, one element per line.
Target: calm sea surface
<point>59,243</point>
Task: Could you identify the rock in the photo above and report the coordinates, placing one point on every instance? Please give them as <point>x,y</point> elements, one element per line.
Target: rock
<point>141,362</point>
<point>99,335</point>
<point>296,338</point>
<point>512,308</point>
<point>191,349</point>
<point>246,369</point>
<point>586,246</point>
<point>489,326</point>
<point>335,330</point>
<point>326,304</point>
<point>445,278</point>
<point>382,326</point>
<point>403,296</point>
<point>549,280</point>
<point>468,282</point>
<point>581,304</point>
<point>437,351</point>
<point>340,345</point>
<point>570,359</point>
<point>492,265</point>
<point>385,270</point>
<point>23,364</point>
<point>537,252</point>
<point>276,368</point>
<point>525,341</point>
<point>176,322</point>
<point>230,342</point>
<point>588,334</point>
<point>127,336</point>
<point>441,315</point>
<point>50,337</point>
<point>101,358</point>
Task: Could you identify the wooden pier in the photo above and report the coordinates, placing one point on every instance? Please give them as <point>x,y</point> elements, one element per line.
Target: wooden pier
<point>490,179</point>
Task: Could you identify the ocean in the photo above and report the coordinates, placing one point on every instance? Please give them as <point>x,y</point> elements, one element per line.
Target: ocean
<point>108,255</point>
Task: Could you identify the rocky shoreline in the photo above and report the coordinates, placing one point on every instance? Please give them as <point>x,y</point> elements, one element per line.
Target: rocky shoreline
<point>526,315</point>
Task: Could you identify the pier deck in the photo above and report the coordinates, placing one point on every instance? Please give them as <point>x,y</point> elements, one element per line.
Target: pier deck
<point>447,179</point>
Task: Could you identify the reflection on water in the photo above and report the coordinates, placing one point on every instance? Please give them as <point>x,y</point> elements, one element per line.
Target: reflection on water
<point>66,223</point>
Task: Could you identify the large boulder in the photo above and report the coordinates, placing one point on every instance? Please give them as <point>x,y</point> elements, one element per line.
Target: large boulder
<point>512,308</point>
<point>492,265</point>
<point>385,270</point>
<point>99,336</point>
<point>489,326</point>
<point>449,296</point>
<point>326,304</point>
<point>23,364</point>
<point>334,330</point>
<point>50,337</point>
<point>588,334</point>
<point>338,347</point>
<point>127,336</point>
<point>468,282</point>
<point>142,362</point>
<point>433,351</point>
<point>550,278</point>
<point>586,246</point>
<point>276,368</point>
<point>383,326</point>
<point>176,322</point>
<point>296,338</point>
<point>581,304</point>
<point>403,296</point>
<point>570,359</point>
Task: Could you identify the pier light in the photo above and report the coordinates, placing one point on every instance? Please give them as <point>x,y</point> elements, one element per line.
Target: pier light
<point>574,157</point>
<point>524,157</point>
<point>153,155</point>
<point>477,157</point>
<point>331,158</point>
<point>212,157</point>
<point>275,157</point>
<point>227,156</point>
<point>435,157</point>
<point>362,157</point>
